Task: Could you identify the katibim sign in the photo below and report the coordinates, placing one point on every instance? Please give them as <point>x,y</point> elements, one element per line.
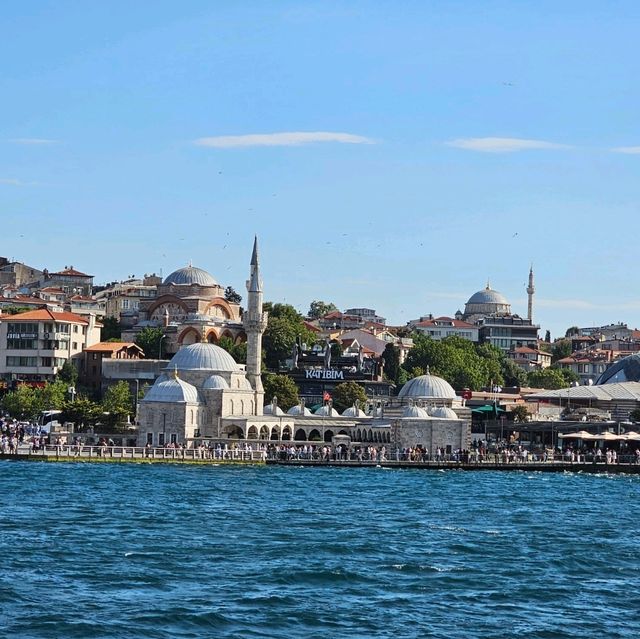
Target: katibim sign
<point>324,373</point>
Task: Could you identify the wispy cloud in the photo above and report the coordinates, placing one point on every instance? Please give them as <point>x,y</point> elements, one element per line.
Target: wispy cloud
<point>630,150</point>
<point>578,304</point>
<point>293,138</point>
<point>33,141</point>
<point>502,145</point>
<point>15,182</point>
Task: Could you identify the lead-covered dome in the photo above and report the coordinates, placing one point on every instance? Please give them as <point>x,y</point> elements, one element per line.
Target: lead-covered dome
<point>215,382</point>
<point>202,356</point>
<point>427,387</point>
<point>172,389</point>
<point>414,412</point>
<point>191,275</point>
<point>626,369</point>
<point>444,412</point>
<point>354,411</point>
<point>487,302</point>
<point>327,411</point>
<point>299,410</point>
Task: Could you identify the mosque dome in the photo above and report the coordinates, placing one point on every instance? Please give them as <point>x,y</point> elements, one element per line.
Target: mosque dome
<point>191,275</point>
<point>299,410</point>
<point>487,302</point>
<point>215,382</point>
<point>414,412</point>
<point>172,389</point>
<point>626,369</point>
<point>353,411</point>
<point>427,386</point>
<point>327,411</point>
<point>268,410</point>
<point>202,356</point>
<point>444,412</point>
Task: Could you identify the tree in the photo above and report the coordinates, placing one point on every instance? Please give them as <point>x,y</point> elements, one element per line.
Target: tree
<point>548,378</point>
<point>282,387</point>
<point>561,348</point>
<point>346,394</point>
<point>149,340</point>
<point>520,413</point>
<point>391,356</point>
<point>571,331</point>
<point>82,412</point>
<point>68,373</point>
<point>237,351</point>
<point>634,415</point>
<point>52,396</point>
<point>318,308</point>
<point>547,337</point>
<point>513,374</point>
<point>231,295</point>
<point>111,329</point>
<point>569,376</point>
<point>22,403</point>
<point>285,325</point>
<point>117,402</point>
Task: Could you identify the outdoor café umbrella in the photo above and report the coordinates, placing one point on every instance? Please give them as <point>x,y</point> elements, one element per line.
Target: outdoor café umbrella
<point>631,436</point>
<point>581,434</point>
<point>608,437</point>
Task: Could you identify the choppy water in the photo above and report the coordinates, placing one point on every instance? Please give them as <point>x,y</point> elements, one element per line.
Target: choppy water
<point>171,551</point>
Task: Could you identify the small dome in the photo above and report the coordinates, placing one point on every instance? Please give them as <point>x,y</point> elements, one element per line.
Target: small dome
<point>298,410</point>
<point>202,356</point>
<point>427,386</point>
<point>174,390</point>
<point>443,412</point>
<point>352,411</point>
<point>268,410</point>
<point>190,275</point>
<point>414,412</point>
<point>327,411</point>
<point>215,382</point>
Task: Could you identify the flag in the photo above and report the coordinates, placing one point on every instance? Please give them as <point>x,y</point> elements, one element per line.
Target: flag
<point>326,397</point>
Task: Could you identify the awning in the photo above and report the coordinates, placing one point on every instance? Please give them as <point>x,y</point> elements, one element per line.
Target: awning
<point>483,410</point>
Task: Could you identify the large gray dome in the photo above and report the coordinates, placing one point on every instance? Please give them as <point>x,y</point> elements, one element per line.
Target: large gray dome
<point>487,296</point>
<point>487,302</point>
<point>172,390</point>
<point>191,275</point>
<point>626,369</point>
<point>427,387</point>
<point>202,356</point>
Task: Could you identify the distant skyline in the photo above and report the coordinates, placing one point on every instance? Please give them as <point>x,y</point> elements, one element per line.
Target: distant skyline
<point>394,156</point>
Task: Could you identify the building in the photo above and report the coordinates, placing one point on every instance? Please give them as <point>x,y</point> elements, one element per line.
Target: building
<point>190,307</point>
<point>70,280</point>
<point>530,358</point>
<point>122,299</point>
<point>90,364</point>
<point>35,345</point>
<point>17,274</point>
<point>367,314</point>
<point>441,327</point>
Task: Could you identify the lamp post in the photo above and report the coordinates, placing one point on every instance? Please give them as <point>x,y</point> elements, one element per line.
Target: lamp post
<point>135,416</point>
<point>164,427</point>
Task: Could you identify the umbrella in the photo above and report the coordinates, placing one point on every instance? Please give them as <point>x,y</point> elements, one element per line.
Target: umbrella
<point>608,437</point>
<point>581,434</point>
<point>631,436</point>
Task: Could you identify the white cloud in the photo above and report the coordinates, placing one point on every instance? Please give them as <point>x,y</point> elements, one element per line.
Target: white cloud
<point>586,305</point>
<point>294,138</point>
<point>630,150</point>
<point>12,182</point>
<point>502,145</point>
<point>33,141</point>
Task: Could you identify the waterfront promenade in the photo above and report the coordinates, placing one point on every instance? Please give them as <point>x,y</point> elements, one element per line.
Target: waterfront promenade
<point>128,454</point>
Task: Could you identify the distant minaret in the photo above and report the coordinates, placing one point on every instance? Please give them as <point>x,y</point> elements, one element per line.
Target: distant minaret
<point>531,289</point>
<point>255,323</point>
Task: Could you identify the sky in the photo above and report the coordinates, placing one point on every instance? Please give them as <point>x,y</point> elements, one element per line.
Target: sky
<point>390,155</point>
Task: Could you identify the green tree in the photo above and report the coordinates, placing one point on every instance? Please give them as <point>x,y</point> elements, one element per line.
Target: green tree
<point>346,394</point>
<point>336,350</point>
<point>82,412</point>
<point>52,396</point>
<point>111,329</point>
<point>68,373</point>
<point>634,415</point>
<point>318,308</point>
<point>22,403</point>
<point>231,295</point>
<point>284,326</point>
<point>561,348</point>
<point>391,356</point>
<point>548,378</point>
<point>282,387</point>
<point>547,337</point>
<point>520,413</point>
<point>513,374</point>
<point>569,376</point>
<point>572,331</point>
<point>118,402</point>
<point>149,339</point>
<point>237,351</point>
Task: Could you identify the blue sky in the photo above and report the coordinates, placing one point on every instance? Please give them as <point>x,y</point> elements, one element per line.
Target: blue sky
<point>391,155</point>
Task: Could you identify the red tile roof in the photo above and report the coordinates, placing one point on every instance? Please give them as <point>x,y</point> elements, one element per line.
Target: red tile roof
<point>44,314</point>
<point>71,271</point>
<point>111,347</point>
<point>446,322</point>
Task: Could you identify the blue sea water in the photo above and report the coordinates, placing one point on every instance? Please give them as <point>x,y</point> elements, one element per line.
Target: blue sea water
<point>204,551</point>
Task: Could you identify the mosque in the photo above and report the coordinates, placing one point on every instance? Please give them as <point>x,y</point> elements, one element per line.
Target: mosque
<point>204,395</point>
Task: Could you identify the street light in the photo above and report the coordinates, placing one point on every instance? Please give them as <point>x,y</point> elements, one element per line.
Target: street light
<point>135,416</point>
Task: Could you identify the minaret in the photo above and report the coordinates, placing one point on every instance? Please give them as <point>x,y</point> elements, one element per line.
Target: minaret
<point>531,289</point>
<point>255,323</point>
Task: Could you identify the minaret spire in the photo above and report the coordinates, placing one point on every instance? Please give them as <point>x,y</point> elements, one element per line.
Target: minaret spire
<point>255,323</point>
<point>531,289</point>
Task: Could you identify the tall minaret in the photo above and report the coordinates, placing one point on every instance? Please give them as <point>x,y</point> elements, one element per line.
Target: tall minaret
<point>531,289</point>
<point>255,323</point>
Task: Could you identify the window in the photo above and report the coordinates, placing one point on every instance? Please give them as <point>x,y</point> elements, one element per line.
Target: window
<point>22,361</point>
<point>160,439</point>
<point>75,346</point>
<point>75,328</point>
<point>22,330</point>
<point>150,439</point>
<point>22,344</point>
<point>174,438</point>
<point>46,361</point>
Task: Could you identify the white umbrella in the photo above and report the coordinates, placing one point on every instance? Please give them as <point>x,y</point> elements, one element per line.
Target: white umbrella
<point>581,434</point>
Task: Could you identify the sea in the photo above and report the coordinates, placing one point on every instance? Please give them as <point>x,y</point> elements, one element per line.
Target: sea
<point>173,551</point>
